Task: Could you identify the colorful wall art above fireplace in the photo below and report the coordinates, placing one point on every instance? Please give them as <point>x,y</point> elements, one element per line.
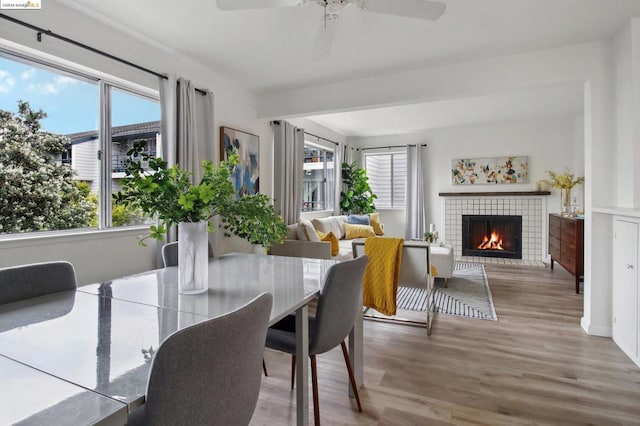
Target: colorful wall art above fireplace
<point>480,171</point>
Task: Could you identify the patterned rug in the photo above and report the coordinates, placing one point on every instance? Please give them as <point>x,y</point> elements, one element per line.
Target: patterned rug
<point>467,294</point>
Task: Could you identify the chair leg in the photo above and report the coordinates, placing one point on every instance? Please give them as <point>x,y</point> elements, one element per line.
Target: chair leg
<point>314,383</point>
<point>352,379</point>
<point>264,368</point>
<point>293,370</point>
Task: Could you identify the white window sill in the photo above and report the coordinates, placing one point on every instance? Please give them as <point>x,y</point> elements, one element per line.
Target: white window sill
<point>49,237</point>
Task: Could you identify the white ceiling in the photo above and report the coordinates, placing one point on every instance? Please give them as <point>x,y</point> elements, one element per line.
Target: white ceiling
<point>550,103</point>
<point>272,49</point>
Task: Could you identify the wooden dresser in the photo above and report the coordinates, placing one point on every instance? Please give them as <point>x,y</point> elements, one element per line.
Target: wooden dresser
<point>566,244</point>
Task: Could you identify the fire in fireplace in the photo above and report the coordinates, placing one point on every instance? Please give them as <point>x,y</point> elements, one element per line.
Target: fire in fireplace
<point>492,236</point>
<point>493,242</point>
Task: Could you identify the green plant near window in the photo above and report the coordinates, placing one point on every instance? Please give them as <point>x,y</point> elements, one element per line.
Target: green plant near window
<point>168,194</point>
<point>357,197</point>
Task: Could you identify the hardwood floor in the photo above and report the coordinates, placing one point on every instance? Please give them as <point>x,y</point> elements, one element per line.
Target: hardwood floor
<point>534,366</point>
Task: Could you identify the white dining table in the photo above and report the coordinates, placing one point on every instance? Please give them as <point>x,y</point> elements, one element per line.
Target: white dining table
<point>32,397</point>
<point>102,337</point>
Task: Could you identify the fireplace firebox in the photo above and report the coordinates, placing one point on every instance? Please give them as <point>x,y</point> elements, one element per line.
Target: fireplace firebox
<point>492,236</point>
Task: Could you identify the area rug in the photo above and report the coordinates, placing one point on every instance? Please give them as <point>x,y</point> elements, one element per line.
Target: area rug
<point>467,294</point>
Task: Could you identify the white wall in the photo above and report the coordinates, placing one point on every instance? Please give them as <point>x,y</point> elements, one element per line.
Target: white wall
<point>626,54</point>
<point>578,157</point>
<point>548,144</point>
<point>102,256</point>
<point>95,258</point>
<point>318,130</point>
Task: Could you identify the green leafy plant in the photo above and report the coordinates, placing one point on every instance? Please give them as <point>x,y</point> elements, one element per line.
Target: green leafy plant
<point>252,218</point>
<point>565,180</point>
<point>430,236</point>
<point>168,194</point>
<point>357,198</point>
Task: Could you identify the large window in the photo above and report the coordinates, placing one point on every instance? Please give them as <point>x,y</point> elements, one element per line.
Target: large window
<point>318,180</point>
<point>60,156</point>
<point>387,174</point>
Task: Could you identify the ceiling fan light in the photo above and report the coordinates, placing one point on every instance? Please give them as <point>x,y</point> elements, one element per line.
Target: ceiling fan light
<point>333,9</point>
<point>331,17</point>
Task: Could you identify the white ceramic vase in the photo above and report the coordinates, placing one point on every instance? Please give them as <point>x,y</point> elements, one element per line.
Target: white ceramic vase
<point>193,257</point>
<point>259,249</point>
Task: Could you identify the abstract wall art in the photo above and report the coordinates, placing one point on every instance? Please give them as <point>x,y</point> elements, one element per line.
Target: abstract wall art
<point>488,171</point>
<point>247,176</point>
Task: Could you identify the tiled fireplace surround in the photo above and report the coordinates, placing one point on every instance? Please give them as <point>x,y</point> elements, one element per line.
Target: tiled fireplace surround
<point>533,210</point>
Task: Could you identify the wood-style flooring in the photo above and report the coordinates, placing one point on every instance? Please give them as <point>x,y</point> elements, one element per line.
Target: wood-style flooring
<point>535,366</point>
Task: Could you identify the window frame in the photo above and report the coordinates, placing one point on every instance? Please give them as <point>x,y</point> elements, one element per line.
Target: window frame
<point>391,152</point>
<point>328,197</point>
<point>104,83</point>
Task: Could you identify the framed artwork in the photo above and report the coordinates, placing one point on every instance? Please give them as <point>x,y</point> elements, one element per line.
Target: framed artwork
<point>247,176</point>
<point>488,171</point>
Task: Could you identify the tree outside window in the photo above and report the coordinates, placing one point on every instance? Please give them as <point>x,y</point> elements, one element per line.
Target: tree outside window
<point>51,141</point>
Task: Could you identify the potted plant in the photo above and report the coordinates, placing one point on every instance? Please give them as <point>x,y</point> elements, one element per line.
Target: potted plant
<point>565,181</point>
<point>431,236</point>
<point>357,197</point>
<point>168,194</point>
<point>252,218</point>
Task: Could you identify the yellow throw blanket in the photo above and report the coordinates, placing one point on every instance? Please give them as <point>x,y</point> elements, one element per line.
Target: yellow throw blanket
<point>380,279</point>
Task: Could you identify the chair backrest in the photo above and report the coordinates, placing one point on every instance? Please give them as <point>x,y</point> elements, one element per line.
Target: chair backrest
<point>36,279</point>
<point>170,253</point>
<point>210,373</point>
<point>338,304</point>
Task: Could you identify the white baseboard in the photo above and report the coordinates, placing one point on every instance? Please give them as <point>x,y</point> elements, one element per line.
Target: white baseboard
<point>595,330</point>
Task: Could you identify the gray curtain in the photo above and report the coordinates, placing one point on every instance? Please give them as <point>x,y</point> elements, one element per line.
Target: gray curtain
<point>288,152</point>
<point>337,168</point>
<point>347,154</point>
<point>188,131</point>
<point>414,196</point>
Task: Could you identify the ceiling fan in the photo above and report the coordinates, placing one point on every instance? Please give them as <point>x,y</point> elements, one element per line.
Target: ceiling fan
<point>418,9</point>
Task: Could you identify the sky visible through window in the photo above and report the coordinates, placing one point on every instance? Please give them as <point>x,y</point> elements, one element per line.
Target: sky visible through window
<point>71,104</point>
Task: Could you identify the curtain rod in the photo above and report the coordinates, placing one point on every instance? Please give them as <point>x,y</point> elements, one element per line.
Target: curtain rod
<point>41,31</point>
<point>320,137</point>
<point>393,146</point>
<point>277,123</point>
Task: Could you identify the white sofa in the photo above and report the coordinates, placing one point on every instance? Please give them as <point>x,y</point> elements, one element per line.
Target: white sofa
<point>293,246</point>
<point>442,256</point>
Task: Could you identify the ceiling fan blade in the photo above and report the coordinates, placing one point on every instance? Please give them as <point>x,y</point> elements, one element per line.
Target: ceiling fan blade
<point>324,39</point>
<point>419,9</point>
<point>254,4</point>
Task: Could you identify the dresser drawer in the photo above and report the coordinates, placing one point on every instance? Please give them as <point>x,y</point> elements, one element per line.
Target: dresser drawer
<point>554,225</point>
<point>566,244</point>
<point>569,265</point>
<point>569,231</point>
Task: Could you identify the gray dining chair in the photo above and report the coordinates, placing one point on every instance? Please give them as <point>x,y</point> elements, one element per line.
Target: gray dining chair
<point>170,253</point>
<point>338,306</point>
<point>35,279</point>
<point>208,373</point>
<point>170,258</point>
